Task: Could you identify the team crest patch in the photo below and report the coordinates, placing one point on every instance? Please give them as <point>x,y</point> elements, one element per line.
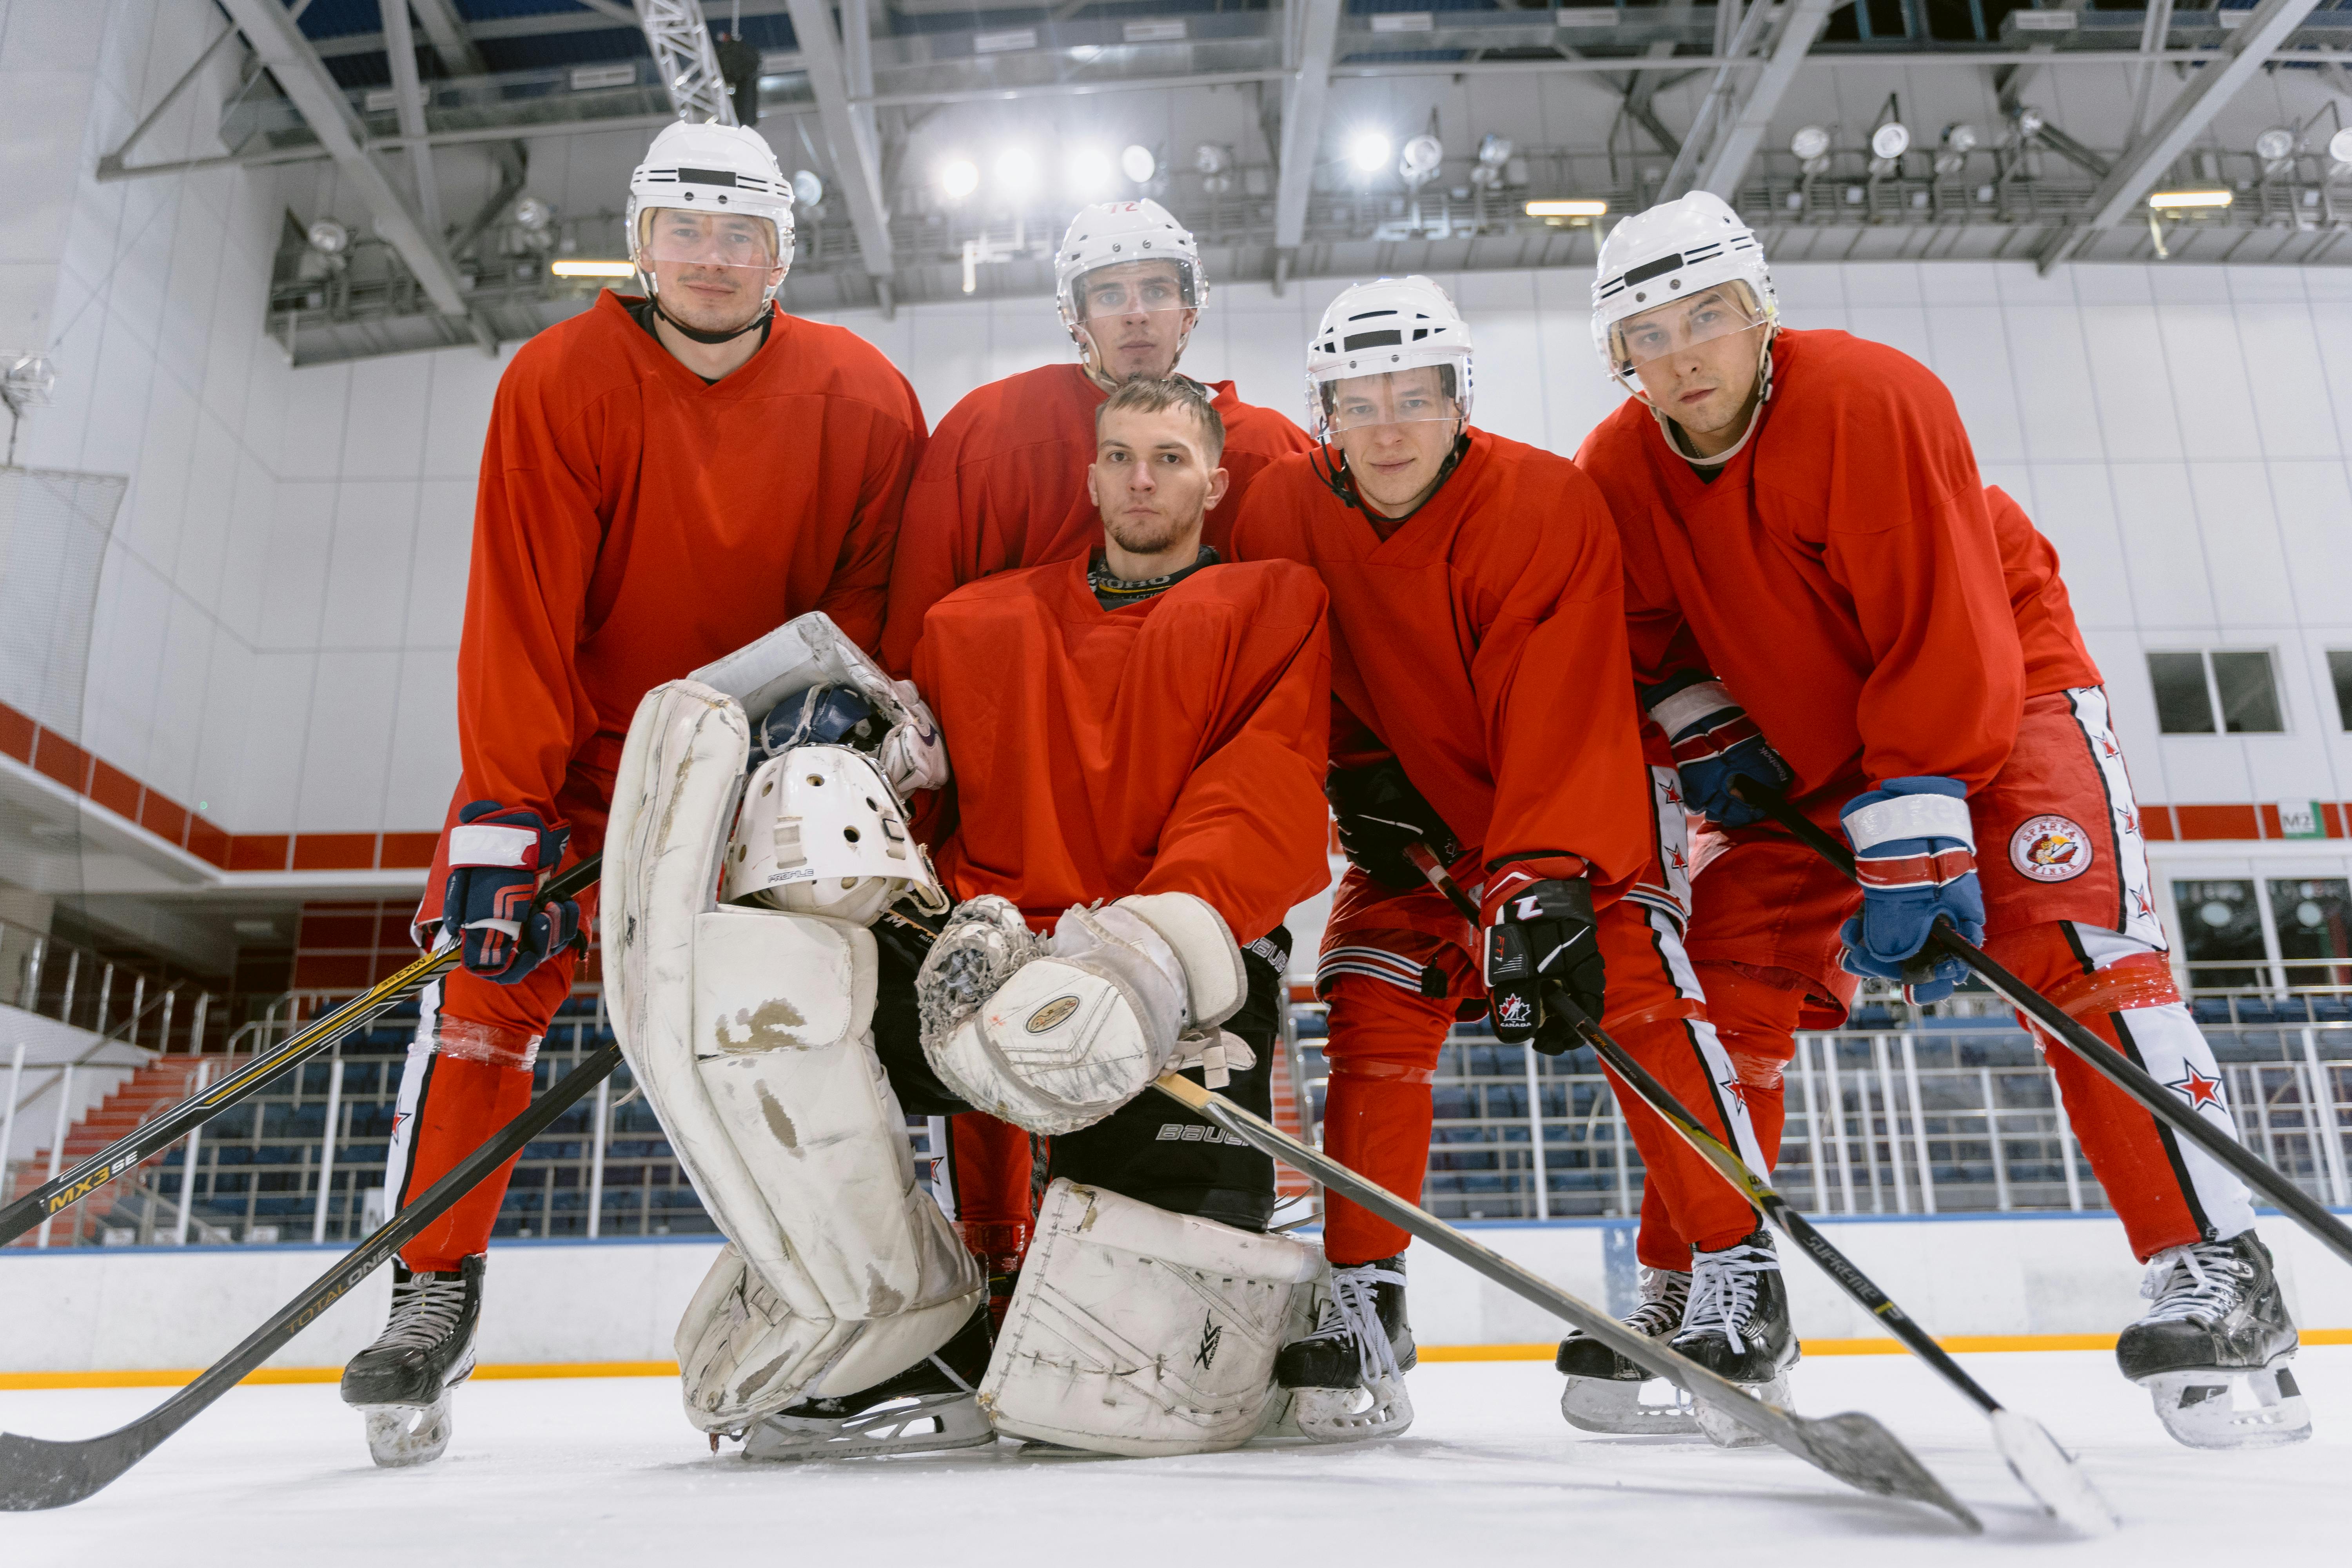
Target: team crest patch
<point>1513,1011</point>
<point>1051,1014</point>
<point>2050,849</point>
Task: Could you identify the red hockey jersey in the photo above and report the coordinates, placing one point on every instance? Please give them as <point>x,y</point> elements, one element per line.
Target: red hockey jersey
<point>1003,484</point>
<point>1841,575</point>
<point>2055,658</point>
<point>1483,642</point>
<point>634,524</point>
<point>1174,745</point>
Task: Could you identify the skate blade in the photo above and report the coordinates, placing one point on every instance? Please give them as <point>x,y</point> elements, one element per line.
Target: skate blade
<point>399,1435</point>
<point>1725,1431</point>
<point>929,1424</point>
<point>2201,1411</point>
<point>2054,1477</point>
<point>1615,1406</point>
<point>1381,1408</point>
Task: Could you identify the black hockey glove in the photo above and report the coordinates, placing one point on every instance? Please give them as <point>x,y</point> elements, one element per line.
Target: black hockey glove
<point>1542,939</point>
<point>1379,813</point>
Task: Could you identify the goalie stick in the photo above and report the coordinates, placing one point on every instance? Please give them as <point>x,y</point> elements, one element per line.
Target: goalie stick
<point>1854,1447</point>
<point>150,1138</point>
<point>2033,1455</point>
<point>2097,1053</point>
<point>36,1473</point>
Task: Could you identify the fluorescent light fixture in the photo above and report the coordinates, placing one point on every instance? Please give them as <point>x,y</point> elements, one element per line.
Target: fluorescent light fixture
<point>1137,164</point>
<point>2166,201</point>
<point>578,269</point>
<point>1576,207</point>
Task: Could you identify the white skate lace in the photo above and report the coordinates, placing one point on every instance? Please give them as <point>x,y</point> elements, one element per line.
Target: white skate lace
<point>1723,1291</point>
<point>425,1311</point>
<point>1352,1310</point>
<point>2204,1281</point>
<point>1665,1293</point>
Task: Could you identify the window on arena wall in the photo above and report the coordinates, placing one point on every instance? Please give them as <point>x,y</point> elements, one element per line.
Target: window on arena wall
<point>2220,933</point>
<point>2222,691</point>
<point>2339,670</point>
<point>2315,926</point>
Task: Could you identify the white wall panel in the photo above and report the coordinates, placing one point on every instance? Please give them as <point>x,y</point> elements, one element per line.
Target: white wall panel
<point>384,424</point>
<point>368,564</point>
<point>2074,505</point>
<point>2208,373</point>
<point>347,747</point>
<point>2133,385</point>
<point>2242,551</point>
<point>2055,404</point>
<point>2288,398</point>
<point>1967,348</point>
<point>2163,548</point>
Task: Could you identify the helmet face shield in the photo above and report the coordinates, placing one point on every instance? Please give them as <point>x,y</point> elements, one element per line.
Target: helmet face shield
<point>681,237</point>
<point>1133,287</point>
<point>1415,395</point>
<point>1717,312</point>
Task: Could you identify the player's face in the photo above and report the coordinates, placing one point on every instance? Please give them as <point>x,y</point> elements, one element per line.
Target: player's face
<point>1396,430</point>
<point>1152,480</point>
<point>1698,360</point>
<point>712,269</point>
<point>1135,315</point>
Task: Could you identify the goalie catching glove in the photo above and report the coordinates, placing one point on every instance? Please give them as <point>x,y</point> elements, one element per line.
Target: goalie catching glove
<point>1540,934</point>
<point>498,857</point>
<point>1053,1035</point>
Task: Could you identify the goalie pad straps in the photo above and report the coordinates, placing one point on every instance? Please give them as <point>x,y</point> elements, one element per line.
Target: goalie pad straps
<point>1135,1331</point>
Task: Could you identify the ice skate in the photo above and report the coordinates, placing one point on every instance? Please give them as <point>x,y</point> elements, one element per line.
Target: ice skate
<point>402,1383</point>
<point>1604,1390</point>
<point>1737,1326</point>
<point>1345,1379</point>
<point>930,1406</point>
<point>2217,1319</point>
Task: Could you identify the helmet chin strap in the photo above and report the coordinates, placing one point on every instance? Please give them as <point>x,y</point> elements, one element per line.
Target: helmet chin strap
<point>653,293</point>
<point>1678,439</point>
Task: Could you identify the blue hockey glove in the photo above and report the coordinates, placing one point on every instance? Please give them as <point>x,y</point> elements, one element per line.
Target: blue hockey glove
<point>1914,854</point>
<point>498,856</point>
<point>1715,745</point>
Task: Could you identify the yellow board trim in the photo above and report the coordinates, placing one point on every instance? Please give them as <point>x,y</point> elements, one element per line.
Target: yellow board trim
<point>1959,1344</point>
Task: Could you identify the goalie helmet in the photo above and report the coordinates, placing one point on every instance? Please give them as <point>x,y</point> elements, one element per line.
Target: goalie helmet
<point>820,833</point>
<point>1113,233</point>
<point>1376,329</point>
<point>1676,250</point>
<point>711,169</point>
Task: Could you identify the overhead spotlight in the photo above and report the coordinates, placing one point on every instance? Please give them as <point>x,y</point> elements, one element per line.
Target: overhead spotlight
<point>2275,145</point>
<point>807,189</point>
<point>2174,201</point>
<point>1493,158</point>
<point>533,214</point>
<point>1890,141</point>
<point>1213,158</point>
<point>1368,152</point>
<point>2028,121</point>
<point>27,380</point>
<point>1809,142</point>
<point>2339,147</point>
<point>1419,163</point>
<point>1962,137</point>
<point>1137,164</point>
<point>327,236</point>
<point>959,178</point>
<point>1016,171</point>
<point>1089,171</point>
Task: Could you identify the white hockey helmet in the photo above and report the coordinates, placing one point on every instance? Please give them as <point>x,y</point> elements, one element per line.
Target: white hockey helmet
<point>1676,250</point>
<point>711,169</point>
<point>1112,234</point>
<point>1374,329</point>
<point>820,833</point>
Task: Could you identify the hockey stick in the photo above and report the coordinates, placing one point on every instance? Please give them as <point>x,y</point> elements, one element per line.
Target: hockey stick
<point>150,1138</point>
<point>38,1474</point>
<point>1854,1447</point>
<point>2034,1458</point>
<point>2096,1053</point>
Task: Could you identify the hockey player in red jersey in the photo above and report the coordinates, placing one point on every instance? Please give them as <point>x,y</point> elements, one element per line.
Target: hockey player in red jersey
<point>1481,704</point>
<point>1824,599</point>
<point>1003,485</point>
<point>636,454</point>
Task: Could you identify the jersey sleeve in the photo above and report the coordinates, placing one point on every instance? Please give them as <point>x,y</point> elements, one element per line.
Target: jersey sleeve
<point>1909,538</point>
<point>1247,832</point>
<point>1551,677</point>
<point>523,711</point>
<point>858,596</point>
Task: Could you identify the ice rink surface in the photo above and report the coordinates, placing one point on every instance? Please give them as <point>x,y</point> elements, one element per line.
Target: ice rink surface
<point>596,1471</point>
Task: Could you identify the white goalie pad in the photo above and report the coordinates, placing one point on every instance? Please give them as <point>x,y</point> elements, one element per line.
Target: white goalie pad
<point>1135,1331</point>
<point>748,1031</point>
<point>820,833</point>
<point>809,650</point>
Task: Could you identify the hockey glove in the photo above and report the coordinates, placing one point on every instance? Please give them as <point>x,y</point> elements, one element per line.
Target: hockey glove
<point>1715,745</point>
<point>498,856</point>
<point>914,755</point>
<point>1541,937</point>
<point>1379,814</point>
<point>1915,855</point>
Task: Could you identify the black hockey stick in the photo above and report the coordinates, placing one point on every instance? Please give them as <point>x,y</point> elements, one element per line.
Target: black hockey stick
<point>152,1138</point>
<point>2034,1458</point>
<point>2096,1053</point>
<point>1854,1447</point>
<point>37,1474</point>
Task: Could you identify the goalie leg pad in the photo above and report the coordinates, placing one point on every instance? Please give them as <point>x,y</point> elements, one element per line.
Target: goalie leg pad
<point>749,1032</point>
<point>1139,1332</point>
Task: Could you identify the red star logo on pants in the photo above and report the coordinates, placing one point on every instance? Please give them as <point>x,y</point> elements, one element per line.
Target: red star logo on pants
<point>2197,1089</point>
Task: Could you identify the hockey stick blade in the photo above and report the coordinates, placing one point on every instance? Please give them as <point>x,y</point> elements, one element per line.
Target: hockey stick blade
<point>36,1473</point>
<point>153,1136</point>
<point>2049,1472</point>
<point>2096,1053</point>
<point>1854,1447</point>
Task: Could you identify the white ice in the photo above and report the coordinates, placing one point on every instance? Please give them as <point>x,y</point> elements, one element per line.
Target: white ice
<point>597,1471</point>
